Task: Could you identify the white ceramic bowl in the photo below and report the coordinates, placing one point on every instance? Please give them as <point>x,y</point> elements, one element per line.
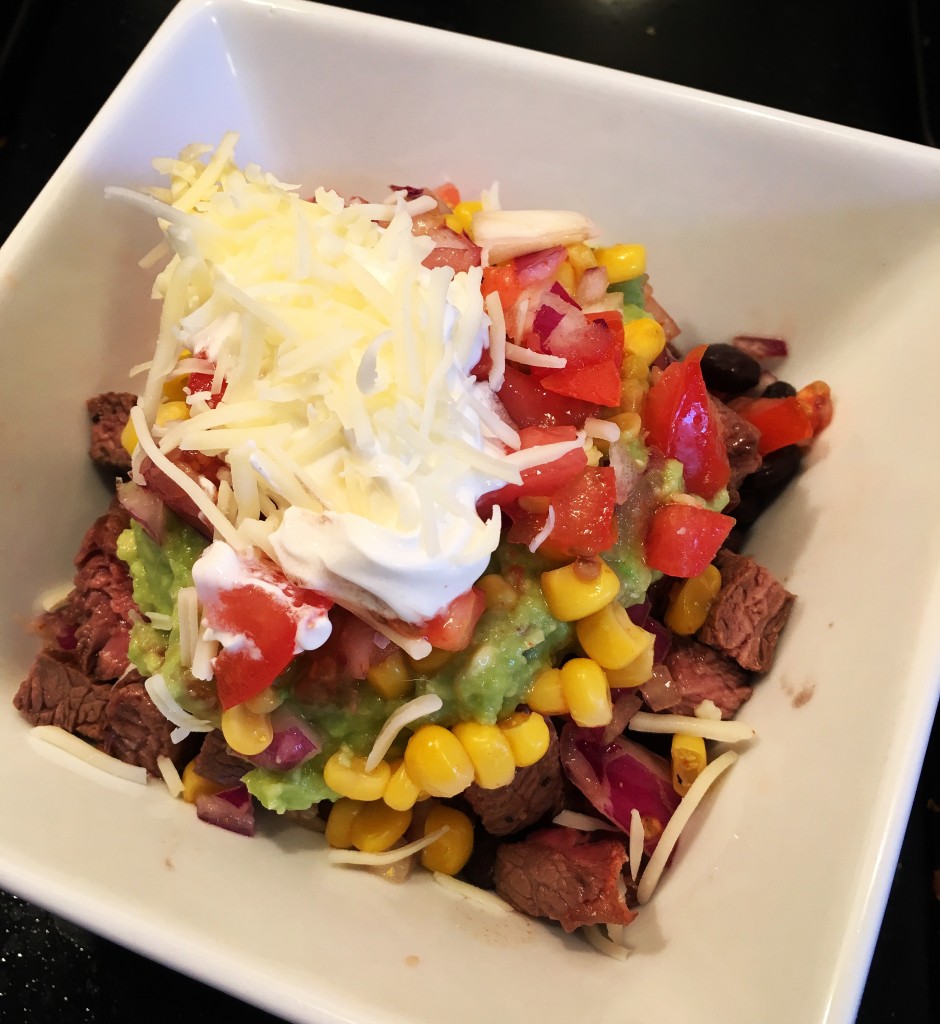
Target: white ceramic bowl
<point>755,222</point>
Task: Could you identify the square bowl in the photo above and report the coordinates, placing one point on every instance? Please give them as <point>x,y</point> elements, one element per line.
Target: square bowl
<point>756,222</point>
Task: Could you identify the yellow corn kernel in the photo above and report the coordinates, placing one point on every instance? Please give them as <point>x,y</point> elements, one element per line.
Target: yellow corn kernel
<point>545,694</point>
<point>129,438</point>
<point>579,589</point>
<point>610,638</point>
<point>266,701</point>
<point>171,412</point>
<point>586,692</point>
<point>378,827</point>
<point>437,659</point>
<point>623,262</point>
<point>339,824</point>
<point>632,394</point>
<point>630,424</point>
<point>688,761</point>
<point>636,673</point>
<point>245,731</point>
<point>489,750</point>
<point>581,256</point>
<point>346,774</point>
<point>391,678</point>
<point>528,736</point>
<point>195,784</point>
<point>462,217</point>
<point>501,595</point>
<point>634,368</point>
<point>566,278</point>
<point>644,338</point>
<point>174,389</point>
<point>691,601</point>
<point>452,851</point>
<point>437,762</point>
<point>401,793</point>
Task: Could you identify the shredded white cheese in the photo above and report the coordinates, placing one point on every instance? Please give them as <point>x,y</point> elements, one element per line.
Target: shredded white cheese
<point>607,430</point>
<point>389,856</point>
<point>687,805</point>
<point>582,822</point>
<point>170,776</point>
<point>167,705</point>
<point>539,539</point>
<point>708,709</point>
<point>494,309</point>
<point>419,707</point>
<point>637,839</point>
<point>472,892</point>
<point>731,731</point>
<point>526,357</point>
<point>594,935</point>
<point>57,737</point>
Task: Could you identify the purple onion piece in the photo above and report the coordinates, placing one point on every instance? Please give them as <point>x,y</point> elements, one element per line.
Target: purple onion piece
<point>546,320</point>
<point>660,691</point>
<point>145,507</point>
<point>561,292</point>
<point>231,809</point>
<point>625,706</point>
<point>294,743</point>
<point>539,266</point>
<point>761,348</point>
<point>593,285</point>
<point>619,776</point>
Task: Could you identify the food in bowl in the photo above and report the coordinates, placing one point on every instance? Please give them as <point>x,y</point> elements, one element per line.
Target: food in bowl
<point>426,535</point>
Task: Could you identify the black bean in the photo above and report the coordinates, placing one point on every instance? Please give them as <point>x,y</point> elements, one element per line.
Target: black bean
<point>779,389</point>
<point>729,371</point>
<point>775,472</point>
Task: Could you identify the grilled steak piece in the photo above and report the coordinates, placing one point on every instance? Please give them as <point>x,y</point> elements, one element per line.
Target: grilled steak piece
<point>533,793</point>
<point>109,413</point>
<point>566,876</point>
<point>135,731</point>
<point>702,673</point>
<point>217,762</point>
<point>749,613</point>
<point>740,439</point>
<point>57,692</point>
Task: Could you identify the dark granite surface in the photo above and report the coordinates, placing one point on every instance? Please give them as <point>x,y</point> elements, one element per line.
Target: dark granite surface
<point>833,59</point>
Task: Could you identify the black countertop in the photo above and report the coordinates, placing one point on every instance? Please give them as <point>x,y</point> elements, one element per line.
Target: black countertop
<point>832,59</point>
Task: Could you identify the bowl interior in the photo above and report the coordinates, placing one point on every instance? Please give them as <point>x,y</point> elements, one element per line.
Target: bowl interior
<point>755,222</point>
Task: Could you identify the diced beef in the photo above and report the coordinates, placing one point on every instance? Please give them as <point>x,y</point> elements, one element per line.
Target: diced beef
<point>702,673</point>
<point>749,613</point>
<point>109,413</point>
<point>566,876</point>
<point>203,469</point>
<point>534,792</point>
<point>57,692</point>
<point>135,731</point>
<point>217,761</point>
<point>740,439</point>
<point>101,604</point>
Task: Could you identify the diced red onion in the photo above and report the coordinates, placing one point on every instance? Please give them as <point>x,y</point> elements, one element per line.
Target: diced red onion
<point>593,286</point>
<point>625,470</point>
<point>625,706</point>
<point>640,616</point>
<point>546,320</point>
<point>761,348</point>
<point>294,743</point>
<point>146,507</point>
<point>231,809</point>
<point>660,691</point>
<point>619,776</point>
<point>539,266</point>
<point>558,289</point>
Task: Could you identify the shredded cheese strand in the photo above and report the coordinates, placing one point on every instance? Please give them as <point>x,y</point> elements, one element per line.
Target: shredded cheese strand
<point>582,822</point>
<point>731,731</point>
<point>78,748</point>
<point>637,838</point>
<point>473,893</point>
<point>594,935</point>
<point>170,776</point>
<point>417,708</point>
<point>667,841</point>
<point>388,856</point>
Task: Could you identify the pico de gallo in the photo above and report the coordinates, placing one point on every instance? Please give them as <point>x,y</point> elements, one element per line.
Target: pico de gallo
<point>550,708</point>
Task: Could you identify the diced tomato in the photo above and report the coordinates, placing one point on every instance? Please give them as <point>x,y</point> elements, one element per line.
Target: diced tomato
<point>447,193</point>
<point>503,280</point>
<point>452,629</point>
<point>541,481</point>
<point>599,382</point>
<point>681,425</point>
<point>485,363</point>
<point>451,249</point>
<point>269,629</point>
<point>584,517</point>
<point>578,340</point>
<point>683,539</point>
<point>530,405</point>
<point>614,321</point>
<point>781,421</point>
<point>200,382</point>
<point>816,400</point>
